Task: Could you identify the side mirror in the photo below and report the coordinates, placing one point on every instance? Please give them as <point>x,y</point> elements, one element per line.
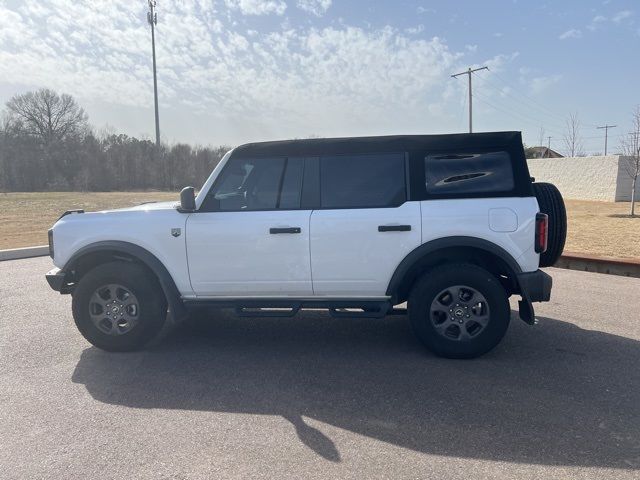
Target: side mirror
<point>187,200</point>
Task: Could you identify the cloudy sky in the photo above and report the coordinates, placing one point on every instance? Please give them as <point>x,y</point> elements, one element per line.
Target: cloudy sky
<point>232,71</point>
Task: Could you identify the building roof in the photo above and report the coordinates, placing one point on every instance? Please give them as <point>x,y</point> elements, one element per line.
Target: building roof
<point>542,152</point>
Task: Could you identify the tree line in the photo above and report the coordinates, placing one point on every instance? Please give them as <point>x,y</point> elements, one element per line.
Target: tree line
<point>47,143</point>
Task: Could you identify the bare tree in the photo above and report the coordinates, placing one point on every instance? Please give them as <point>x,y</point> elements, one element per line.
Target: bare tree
<point>572,138</point>
<point>541,134</point>
<point>46,115</point>
<point>630,147</point>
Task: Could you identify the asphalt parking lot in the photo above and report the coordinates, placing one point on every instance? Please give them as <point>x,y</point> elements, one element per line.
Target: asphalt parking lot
<point>316,397</point>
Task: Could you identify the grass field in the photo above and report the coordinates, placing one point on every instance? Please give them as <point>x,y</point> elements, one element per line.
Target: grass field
<point>603,228</point>
<point>598,228</point>
<point>26,217</point>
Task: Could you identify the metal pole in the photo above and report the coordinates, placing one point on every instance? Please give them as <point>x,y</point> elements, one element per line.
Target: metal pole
<point>469,72</point>
<point>470,105</point>
<point>606,134</point>
<point>152,18</point>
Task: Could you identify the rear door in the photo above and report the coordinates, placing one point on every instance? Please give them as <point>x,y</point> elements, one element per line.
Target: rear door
<point>364,227</point>
<point>251,235</point>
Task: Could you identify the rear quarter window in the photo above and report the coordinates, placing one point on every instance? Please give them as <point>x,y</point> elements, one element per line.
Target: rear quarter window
<point>468,173</point>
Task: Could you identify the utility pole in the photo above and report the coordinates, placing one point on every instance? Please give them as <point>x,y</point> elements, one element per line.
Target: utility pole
<point>549,147</point>
<point>152,18</point>
<point>469,72</point>
<point>606,134</point>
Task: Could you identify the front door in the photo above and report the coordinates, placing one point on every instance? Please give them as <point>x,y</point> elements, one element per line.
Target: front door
<point>250,237</point>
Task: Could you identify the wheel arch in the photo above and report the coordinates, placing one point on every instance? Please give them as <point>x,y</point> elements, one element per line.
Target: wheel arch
<point>98,253</point>
<point>473,250</point>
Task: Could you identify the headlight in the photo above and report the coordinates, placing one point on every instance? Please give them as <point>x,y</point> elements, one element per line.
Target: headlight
<point>50,235</point>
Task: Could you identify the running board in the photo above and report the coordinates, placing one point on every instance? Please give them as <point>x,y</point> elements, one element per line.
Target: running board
<point>288,308</point>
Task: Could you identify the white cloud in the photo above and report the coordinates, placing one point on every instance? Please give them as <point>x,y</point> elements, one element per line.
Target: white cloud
<point>596,22</point>
<point>257,7</point>
<point>220,83</point>
<point>573,33</point>
<point>623,15</point>
<point>540,84</point>
<point>316,7</point>
<point>414,30</point>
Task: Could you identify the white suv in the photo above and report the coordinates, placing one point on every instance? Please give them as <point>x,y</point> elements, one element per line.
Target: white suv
<point>452,224</point>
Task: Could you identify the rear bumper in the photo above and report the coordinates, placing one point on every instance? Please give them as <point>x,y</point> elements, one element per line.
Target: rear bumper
<point>57,280</point>
<point>535,286</point>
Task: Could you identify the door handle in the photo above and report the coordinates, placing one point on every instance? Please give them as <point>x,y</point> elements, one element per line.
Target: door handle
<point>394,228</point>
<point>276,230</point>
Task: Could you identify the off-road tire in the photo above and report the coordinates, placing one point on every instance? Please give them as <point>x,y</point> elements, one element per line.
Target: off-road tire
<point>151,315</point>
<point>432,283</point>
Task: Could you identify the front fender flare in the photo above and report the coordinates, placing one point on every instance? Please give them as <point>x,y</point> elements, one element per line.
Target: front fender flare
<point>176,306</point>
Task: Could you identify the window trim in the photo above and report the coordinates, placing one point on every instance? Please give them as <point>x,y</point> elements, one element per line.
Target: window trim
<point>405,165</point>
<point>204,208</point>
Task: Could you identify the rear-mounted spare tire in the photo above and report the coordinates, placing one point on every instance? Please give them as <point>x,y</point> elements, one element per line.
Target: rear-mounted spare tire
<point>550,202</point>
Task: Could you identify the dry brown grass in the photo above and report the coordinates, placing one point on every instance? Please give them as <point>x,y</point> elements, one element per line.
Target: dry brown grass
<point>26,217</point>
<point>597,228</point>
<point>603,228</point>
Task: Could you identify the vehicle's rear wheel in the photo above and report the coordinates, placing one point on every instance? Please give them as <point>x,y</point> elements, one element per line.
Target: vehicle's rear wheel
<point>459,310</point>
<point>550,202</point>
<point>119,307</point>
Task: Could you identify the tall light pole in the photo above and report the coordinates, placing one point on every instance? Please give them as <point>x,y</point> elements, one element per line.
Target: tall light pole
<point>606,134</point>
<point>152,18</point>
<point>469,72</point>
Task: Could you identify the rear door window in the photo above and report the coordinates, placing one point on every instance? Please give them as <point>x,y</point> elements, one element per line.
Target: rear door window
<point>362,181</point>
<point>468,173</point>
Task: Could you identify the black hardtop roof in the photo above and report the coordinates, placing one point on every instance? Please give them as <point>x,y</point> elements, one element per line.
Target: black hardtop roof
<point>390,143</point>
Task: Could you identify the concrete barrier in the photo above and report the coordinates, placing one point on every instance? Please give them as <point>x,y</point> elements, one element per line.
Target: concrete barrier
<point>26,252</point>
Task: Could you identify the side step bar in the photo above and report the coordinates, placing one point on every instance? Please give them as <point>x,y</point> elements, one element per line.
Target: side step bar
<point>286,308</point>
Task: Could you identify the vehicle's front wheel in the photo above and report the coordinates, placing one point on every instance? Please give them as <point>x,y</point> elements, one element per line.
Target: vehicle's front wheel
<point>119,307</point>
<point>459,310</point>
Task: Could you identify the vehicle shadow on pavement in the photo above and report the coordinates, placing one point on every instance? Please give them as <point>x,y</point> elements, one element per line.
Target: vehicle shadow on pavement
<point>554,394</point>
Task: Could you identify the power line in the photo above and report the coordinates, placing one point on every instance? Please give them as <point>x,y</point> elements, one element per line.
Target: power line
<point>516,114</point>
<point>152,19</point>
<point>535,102</point>
<point>468,73</point>
<point>606,128</point>
<point>502,96</point>
<point>530,104</point>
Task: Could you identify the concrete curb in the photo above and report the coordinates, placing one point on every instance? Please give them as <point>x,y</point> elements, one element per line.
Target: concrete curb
<point>626,267</point>
<point>26,252</point>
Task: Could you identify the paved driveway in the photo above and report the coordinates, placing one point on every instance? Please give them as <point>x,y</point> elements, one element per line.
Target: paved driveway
<point>316,397</point>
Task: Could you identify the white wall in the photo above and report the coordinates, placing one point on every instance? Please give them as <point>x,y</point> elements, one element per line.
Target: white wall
<point>623,192</point>
<point>585,178</point>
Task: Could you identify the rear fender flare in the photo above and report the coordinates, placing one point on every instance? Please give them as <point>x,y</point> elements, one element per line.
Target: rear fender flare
<point>410,265</point>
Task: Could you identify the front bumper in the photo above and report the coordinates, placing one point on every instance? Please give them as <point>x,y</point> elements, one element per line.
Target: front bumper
<point>535,286</point>
<point>57,280</point>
